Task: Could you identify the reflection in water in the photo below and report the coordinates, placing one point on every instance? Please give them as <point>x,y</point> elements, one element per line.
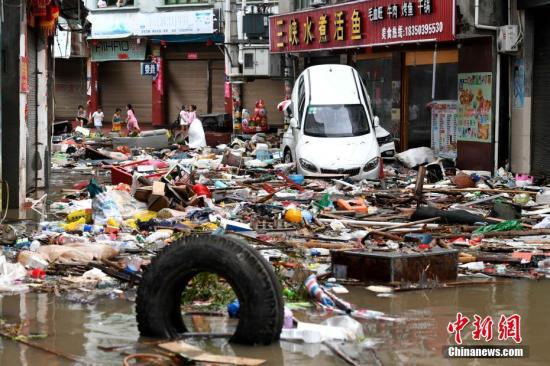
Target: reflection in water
<point>79,327</point>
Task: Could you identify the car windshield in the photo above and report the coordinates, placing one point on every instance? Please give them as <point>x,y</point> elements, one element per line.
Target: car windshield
<point>336,120</point>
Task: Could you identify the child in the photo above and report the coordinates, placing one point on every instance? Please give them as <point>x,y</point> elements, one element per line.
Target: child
<point>98,119</point>
<point>117,120</point>
<point>192,113</point>
<point>131,121</point>
<point>81,116</point>
<point>184,119</point>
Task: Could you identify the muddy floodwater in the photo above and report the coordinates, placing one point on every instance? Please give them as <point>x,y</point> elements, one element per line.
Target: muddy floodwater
<point>83,324</point>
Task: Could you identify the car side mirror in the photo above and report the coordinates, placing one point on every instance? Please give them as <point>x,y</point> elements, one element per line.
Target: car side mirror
<point>376,121</point>
<point>293,123</point>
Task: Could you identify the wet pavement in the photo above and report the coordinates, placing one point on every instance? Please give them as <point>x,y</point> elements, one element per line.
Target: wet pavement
<point>78,325</point>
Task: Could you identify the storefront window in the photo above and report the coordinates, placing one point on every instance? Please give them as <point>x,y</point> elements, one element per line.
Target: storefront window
<point>183,2</point>
<point>377,76</point>
<point>301,4</point>
<point>114,3</point>
<point>420,96</point>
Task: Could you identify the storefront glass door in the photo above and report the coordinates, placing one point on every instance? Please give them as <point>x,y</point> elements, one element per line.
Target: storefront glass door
<point>377,76</point>
<point>418,98</point>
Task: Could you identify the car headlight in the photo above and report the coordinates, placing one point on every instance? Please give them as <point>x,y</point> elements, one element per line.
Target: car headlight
<point>372,164</point>
<point>307,165</point>
<point>384,140</point>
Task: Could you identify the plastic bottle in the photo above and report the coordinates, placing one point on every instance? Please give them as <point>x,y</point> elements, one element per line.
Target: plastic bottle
<point>53,228</point>
<point>71,239</point>
<point>158,235</point>
<point>22,243</point>
<point>35,245</point>
<point>233,309</point>
<point>94,229</point>
<point>289,319</point>
<point>134,264</point>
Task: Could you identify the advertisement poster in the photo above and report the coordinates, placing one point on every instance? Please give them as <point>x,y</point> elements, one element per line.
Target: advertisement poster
<point>118,50</point>
<point>519,83</point>
<point>24,74</point>
<point>444,116</point>
<point>475,102</point>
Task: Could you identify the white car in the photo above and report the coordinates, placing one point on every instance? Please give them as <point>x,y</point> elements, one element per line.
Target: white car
<point>332,129</point>
<point>385,141</point>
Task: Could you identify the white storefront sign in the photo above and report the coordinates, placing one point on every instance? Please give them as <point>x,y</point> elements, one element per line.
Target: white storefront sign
<point>151,24</point>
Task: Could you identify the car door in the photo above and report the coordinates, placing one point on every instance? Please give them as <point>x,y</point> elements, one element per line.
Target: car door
<point>298,105</point>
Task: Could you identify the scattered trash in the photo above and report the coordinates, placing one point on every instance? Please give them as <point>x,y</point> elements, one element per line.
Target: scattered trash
<point>152,214</point>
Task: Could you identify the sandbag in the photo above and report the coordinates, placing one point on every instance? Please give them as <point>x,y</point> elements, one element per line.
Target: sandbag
<point>79,253</point>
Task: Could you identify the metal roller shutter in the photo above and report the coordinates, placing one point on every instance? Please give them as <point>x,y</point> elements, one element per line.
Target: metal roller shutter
<point>32,116</point>
<point>70,87</point>
<point>186,83</point>
<point>540,134</point>
<point>121,83</point>
<point>272,91</point>
<point>218,86</point>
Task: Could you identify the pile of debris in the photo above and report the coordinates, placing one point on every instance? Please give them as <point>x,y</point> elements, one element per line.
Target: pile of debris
<point>424,225</point>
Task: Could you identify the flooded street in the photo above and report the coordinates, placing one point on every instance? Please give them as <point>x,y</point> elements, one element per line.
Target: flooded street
<point>99,327</point>
<point>79,325</point>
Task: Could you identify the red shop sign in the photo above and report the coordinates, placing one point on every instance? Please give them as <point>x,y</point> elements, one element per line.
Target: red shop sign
<point>365,23</point>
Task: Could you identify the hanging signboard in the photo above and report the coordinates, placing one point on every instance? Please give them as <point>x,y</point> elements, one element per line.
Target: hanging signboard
<point>148,69</point>
<point>107,25</point>
<point>444,116</point>
<point>475,105</point>
<point>365,23</point>
<point>117,50</point>
<point>23,74</point>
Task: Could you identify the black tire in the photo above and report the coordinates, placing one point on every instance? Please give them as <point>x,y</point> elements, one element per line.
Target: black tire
<point>251,277</point>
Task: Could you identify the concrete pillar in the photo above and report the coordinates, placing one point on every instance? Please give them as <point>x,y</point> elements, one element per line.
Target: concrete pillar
<point>521,113</point>
<point>18,193</point>
<point>158,96</point>
<point>42,109</point>
<point>92,76</point>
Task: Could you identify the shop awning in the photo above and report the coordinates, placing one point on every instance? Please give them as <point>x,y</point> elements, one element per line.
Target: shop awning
<point>123,25</point>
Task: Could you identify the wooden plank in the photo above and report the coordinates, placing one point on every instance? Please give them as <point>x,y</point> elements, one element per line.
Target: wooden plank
<point>231,360</point>
<point>198,355</point>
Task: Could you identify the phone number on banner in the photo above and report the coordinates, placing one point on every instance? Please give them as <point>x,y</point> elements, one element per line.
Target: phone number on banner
<point>423,29</point>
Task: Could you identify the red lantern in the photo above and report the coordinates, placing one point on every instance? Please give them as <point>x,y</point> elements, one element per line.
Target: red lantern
<point>39,7</point>
<point>47,23</point>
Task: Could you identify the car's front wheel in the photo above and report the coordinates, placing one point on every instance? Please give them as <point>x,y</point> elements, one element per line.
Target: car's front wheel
<point>287,156</point>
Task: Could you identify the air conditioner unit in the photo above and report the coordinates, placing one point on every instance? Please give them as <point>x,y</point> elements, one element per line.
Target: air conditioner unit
<point>508,39</point>
<point>256,26</point>
<point>259,62</point>
<point>318,3</point>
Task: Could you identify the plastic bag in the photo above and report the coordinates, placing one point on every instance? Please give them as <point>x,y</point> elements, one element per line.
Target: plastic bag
<point>503,226</point>
<point>103,205</point>
<point>126,203</point>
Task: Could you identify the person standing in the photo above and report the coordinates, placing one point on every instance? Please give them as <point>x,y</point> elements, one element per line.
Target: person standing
<point>131,121</point>
<point>117,120</point>
<point>184,119</point>
<point>98,116</point>
<point>197,138</point>
<point>81,116</point>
